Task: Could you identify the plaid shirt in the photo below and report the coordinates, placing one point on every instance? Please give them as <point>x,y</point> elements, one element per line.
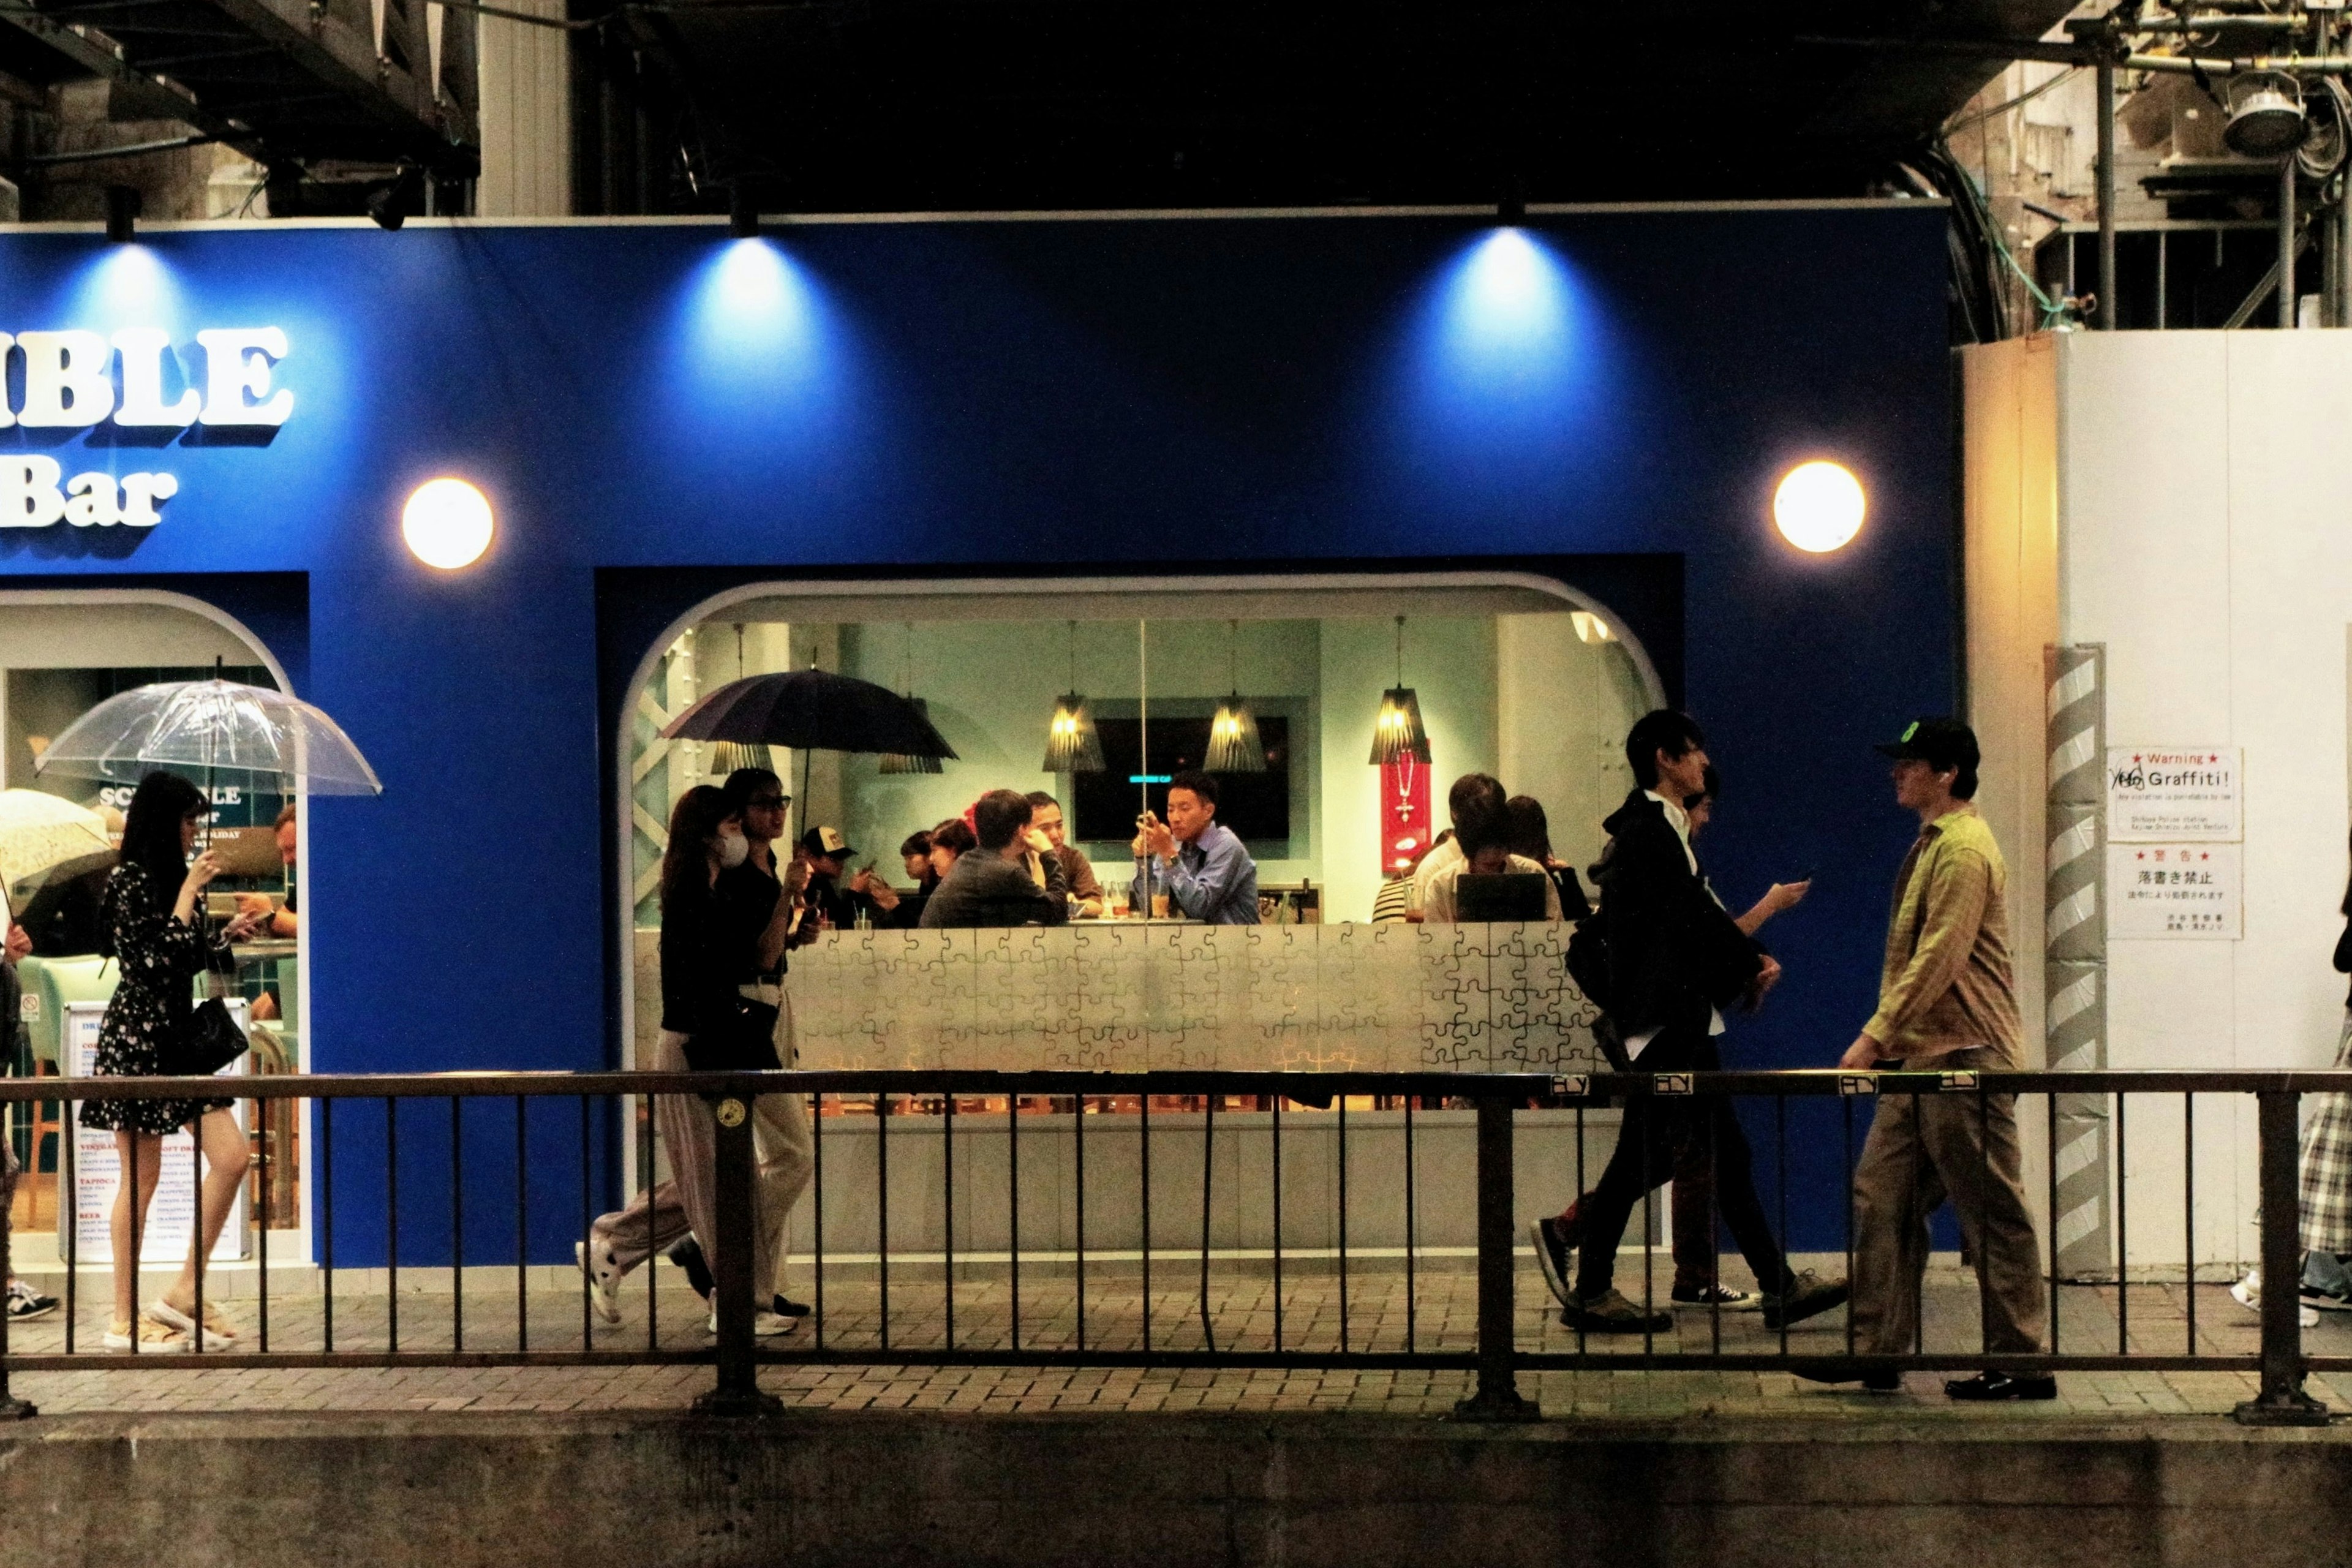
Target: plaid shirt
<point>1946,985</point>
<point>2326,1166</point>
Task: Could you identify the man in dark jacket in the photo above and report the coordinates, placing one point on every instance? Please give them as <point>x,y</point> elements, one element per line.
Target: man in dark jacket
<point>991,886</point>
<point>1676,959</point>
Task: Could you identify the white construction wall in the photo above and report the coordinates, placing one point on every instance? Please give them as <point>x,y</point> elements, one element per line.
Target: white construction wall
<point>2181,498</point>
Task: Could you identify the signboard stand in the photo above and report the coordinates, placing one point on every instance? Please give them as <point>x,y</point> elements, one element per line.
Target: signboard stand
<point>97,1170</point>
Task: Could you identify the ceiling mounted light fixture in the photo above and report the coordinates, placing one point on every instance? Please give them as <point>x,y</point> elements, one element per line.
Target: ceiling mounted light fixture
<point>123,205</point>
<point>1071,744</point>
<point>1397,733</point>
<point>2266,115</point>
<point>896,762</point>
<point>390,204</point>
<point>1234,744</point>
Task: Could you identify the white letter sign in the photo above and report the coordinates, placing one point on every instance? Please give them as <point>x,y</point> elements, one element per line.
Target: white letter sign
<point>2187,794</point>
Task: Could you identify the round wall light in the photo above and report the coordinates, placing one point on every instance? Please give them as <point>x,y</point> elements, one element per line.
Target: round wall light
<point>446,523</point>
<point>1819,506</point>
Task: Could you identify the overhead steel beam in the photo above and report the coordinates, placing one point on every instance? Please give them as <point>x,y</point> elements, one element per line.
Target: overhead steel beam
<point>149,97</point>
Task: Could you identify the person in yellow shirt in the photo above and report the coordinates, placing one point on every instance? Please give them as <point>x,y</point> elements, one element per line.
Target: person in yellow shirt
<point>1947,1001</point>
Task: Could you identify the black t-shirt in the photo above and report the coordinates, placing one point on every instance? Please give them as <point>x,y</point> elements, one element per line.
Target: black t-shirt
<point>749,895</point>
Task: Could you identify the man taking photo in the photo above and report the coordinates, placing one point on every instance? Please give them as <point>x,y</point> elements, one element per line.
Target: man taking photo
<point>1946,1003</point>
<point>1197,861</point>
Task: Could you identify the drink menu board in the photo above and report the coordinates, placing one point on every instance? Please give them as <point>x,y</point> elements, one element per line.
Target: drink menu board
<point>170,1216</point>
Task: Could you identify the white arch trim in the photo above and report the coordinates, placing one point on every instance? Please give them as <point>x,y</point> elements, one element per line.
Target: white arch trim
<point>1057,588</point>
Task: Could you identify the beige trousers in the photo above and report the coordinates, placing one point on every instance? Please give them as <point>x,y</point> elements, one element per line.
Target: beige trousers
<point>784,1154</point>
<point>1922,1149</point>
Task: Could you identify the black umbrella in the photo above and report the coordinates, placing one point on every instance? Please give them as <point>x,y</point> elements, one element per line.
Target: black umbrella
<point>812,710</point>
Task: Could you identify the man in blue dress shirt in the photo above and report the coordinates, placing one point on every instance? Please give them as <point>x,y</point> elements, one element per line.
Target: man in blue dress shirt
<point>1195,859</point>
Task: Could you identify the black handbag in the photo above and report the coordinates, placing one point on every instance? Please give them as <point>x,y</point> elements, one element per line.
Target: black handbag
<point>210,1042</point>
<point>744,1042</point>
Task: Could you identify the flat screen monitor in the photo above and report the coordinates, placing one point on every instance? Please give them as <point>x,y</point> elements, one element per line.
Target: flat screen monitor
<point>1256,805</point>
<point>1499,896</point>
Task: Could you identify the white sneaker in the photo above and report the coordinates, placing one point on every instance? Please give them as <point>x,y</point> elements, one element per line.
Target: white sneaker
<point>765,1325</point>
<point>603,1285</point>
<point>2248,1293</point>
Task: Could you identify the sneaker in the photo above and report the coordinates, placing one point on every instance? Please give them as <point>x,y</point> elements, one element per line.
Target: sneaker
<point>603,1283</point>
<point>765,1325</point>
<point>1719,1296</point>
<point>1555,1246</point>
<point>2248,1293</point>
<point>687,1255</point>
<point>25,1303</point>
<point>219,1333</point>
<point>1991,1386</point>
<point>786,1307</point>
<point>1611,1313</point>
<point>1808,1296</point>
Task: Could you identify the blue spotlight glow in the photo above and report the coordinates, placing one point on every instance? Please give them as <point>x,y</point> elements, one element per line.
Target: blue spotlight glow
<point>1507,313</point>
<point>126,286</point>
<point>1511,379</point>
<point>752,311</point>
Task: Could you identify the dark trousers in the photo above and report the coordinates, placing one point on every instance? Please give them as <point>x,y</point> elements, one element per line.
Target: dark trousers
<point>1655,1131</point>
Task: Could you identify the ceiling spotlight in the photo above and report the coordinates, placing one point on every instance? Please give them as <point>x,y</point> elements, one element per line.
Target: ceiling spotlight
<point>743,211</point>
<point>1819,506</point>
<point>390,204</point>
<point>2266,115</point>
<point>123,205</point>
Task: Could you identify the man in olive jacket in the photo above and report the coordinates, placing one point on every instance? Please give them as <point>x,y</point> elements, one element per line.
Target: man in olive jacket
<point>1677,960</point>
<point>1947,1001</point>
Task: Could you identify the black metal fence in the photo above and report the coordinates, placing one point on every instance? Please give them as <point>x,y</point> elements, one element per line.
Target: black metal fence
<point>1494,1354</point>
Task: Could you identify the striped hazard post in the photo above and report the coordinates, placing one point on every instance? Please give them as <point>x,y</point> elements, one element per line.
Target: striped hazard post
<point>2074,952</point>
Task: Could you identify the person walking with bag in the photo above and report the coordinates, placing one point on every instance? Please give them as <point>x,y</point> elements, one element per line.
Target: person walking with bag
<point>154,928</point>
<point>707,1024</point>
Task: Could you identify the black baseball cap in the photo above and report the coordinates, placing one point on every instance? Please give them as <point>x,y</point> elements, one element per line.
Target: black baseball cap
<point>1941,743</point>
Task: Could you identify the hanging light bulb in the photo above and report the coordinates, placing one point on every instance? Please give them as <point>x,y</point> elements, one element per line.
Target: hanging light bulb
<point>1234,744</point>
<point>1071,744</point>
<point>1397,733</point>
<point>893,762</point>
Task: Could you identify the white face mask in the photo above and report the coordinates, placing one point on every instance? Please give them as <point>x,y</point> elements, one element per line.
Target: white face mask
<point>733,847</point>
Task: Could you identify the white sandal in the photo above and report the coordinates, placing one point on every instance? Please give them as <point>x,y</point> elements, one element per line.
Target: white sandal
<point>219,1334</point>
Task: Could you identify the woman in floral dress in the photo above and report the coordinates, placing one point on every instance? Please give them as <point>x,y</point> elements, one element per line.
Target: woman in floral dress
<point>153,932</point>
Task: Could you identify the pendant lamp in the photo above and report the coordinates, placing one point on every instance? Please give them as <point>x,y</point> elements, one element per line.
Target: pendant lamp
<point>892,761</point>
<point>1071,744</point>
<point>1397,733</point>
<point>726,756</point>
<point>1234,744</point>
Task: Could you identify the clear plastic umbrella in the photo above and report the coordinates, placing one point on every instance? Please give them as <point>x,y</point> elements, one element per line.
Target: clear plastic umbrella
<point>247,734</point>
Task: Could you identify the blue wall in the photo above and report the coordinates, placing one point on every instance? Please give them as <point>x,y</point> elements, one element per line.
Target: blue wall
<point>652,409</point>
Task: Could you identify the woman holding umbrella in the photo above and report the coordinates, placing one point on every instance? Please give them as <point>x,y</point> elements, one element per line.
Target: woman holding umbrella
<point>151,928</point>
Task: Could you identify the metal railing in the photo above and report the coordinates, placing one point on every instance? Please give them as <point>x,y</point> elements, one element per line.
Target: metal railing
<point>1825,1100</point>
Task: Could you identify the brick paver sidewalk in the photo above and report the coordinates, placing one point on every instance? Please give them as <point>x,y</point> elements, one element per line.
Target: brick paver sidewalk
<point>1379,1312</point>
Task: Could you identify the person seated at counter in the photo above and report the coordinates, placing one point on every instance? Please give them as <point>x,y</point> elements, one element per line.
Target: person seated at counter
<point>283,923</point>
<point>1484,835</point>
<point>989,885</point>
<point>1470,792</point>
<point>951,841</point>
<point>835,903</point>
<point>1195,861</point>
<point>1086,888</point>
<point>915,854</point>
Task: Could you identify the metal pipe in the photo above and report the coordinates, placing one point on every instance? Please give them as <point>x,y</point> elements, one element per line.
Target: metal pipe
<point>2189,65</point>
<point>2286,243</point>
<point>2106,113</point>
